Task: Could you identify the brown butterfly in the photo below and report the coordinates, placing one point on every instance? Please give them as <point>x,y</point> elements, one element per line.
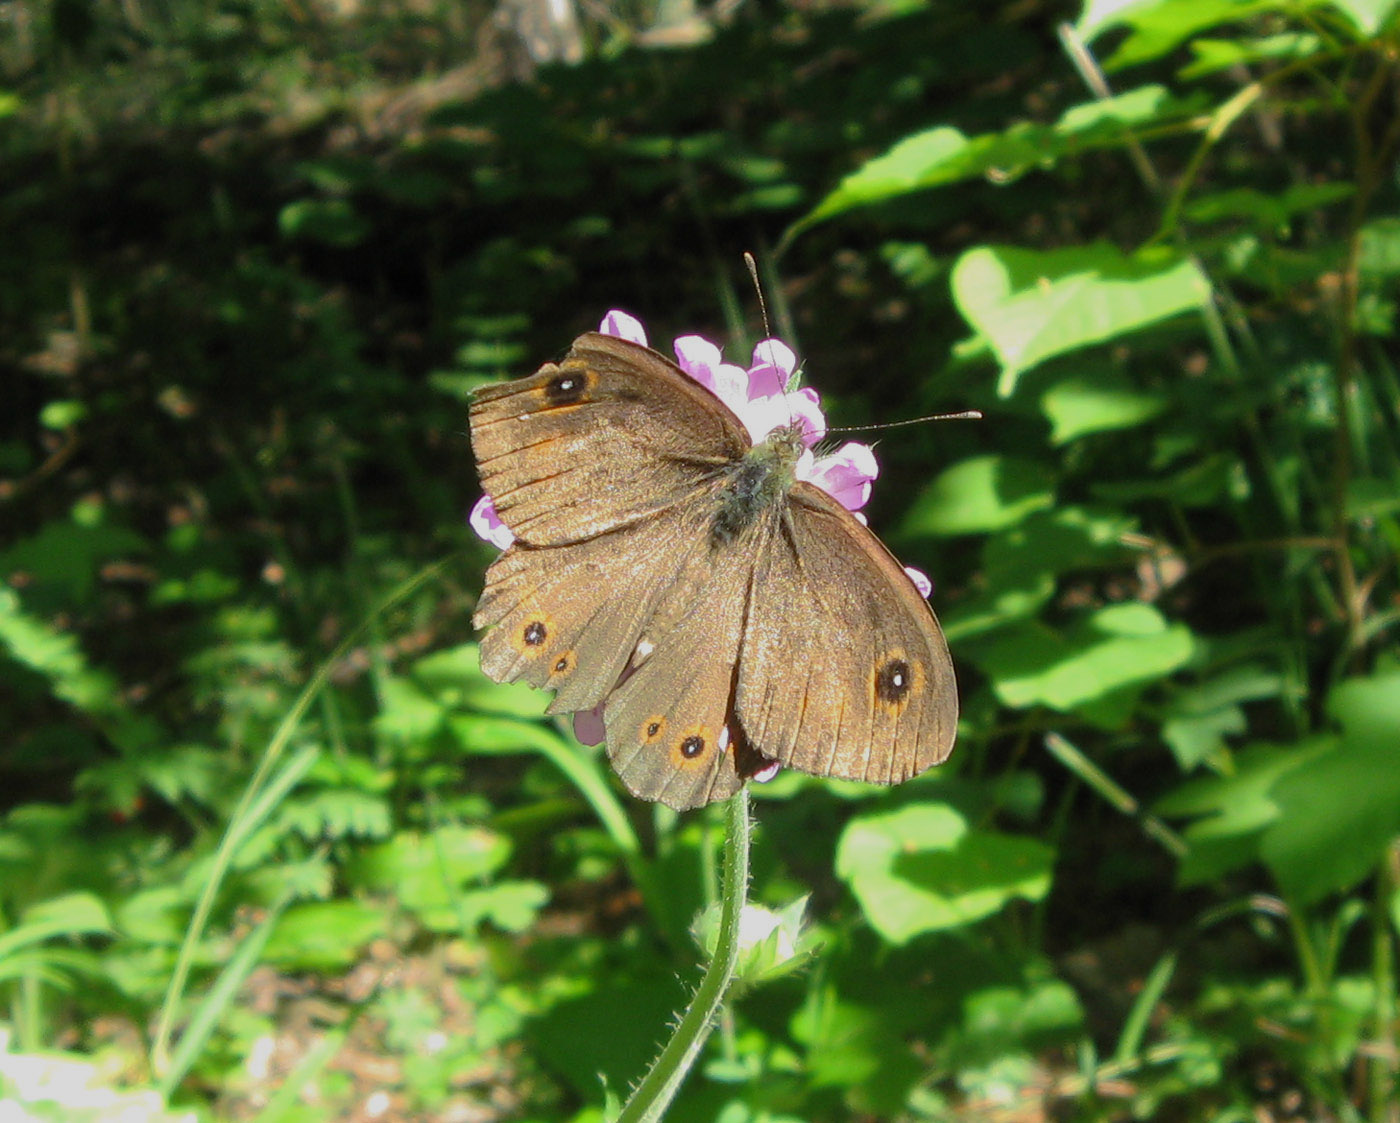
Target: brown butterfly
<point>728,614</point>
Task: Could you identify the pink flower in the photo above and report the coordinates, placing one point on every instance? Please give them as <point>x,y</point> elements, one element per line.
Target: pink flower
<point>488,525</point>
<point>761,397</point>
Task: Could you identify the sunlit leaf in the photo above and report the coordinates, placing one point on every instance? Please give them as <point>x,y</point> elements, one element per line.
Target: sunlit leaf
<point>1118,646</point>
<point>979,495</point>
<point>1341,812</point>
<point>324,935</point>
<point>921,869</point>
<point>1030,305</point>
<point>944,155</point>
<point>1097,401</point>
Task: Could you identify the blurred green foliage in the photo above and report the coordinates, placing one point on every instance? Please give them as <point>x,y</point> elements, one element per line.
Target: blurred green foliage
<point>272,847</point>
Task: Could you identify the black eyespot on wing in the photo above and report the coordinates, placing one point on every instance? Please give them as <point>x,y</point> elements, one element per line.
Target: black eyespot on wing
<point>692,746</point>
<point>535,633</point>
<point>567,388</point>
<point>893,681</point>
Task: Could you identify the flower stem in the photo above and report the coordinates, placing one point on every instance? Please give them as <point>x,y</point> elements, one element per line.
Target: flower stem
<point>648,1103</point>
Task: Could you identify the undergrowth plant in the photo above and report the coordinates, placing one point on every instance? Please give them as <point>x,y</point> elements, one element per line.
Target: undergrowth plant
<point>271,845</point>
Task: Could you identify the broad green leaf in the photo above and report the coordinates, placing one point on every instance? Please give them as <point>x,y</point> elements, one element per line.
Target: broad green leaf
<point>1159,26</point>
<point>324,935</point>
<point>62,414</point>
<point>496,735</point>
<point>944,155</point>
<point>1369,16</point>
<point>1204,482</point>
<point>1022,564</point>
<point>1097,401</point>
<point>853,1046</point>
<point>1369,498</point>
<point>1213,55</point>
<point>409,714</point>
<point>71,915</point>
<point>67,555</point>
<point>610,1026</point>
<point>429,869</point>
<point>976,496</point>
<point>1340,814</point>
<point>1267,211</point>
<point>1118,646</point>
<point>455,678</point>
<point>1030,305</point>
<point>921,869</point>
<point>1230,813</point>
<point>510,905</point>
<point>1201,715</point>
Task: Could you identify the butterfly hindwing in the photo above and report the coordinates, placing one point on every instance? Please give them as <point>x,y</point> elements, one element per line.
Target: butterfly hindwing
<point>667,736</point>
<point>567,618</point>
<point>612,433</point>
<point>844,670</point>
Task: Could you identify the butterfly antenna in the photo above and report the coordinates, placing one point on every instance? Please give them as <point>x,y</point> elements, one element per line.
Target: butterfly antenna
<point>767,328</point>
<point>964,415</point>
<point>758,290</point>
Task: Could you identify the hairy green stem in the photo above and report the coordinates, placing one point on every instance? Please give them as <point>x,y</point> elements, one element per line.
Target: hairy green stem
<point>663,1080</point>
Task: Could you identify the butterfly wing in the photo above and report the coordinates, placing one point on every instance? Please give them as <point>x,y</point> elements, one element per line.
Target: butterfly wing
<point>844,670</point>
<point>567,618</point>
<point>611,434</point>
<point>670,737</point>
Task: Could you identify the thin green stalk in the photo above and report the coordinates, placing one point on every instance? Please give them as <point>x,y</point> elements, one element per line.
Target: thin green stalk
<point>648,1103</point>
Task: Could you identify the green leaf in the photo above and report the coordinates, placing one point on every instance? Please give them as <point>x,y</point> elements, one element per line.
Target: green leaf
<point>62,414</point>
<point>1201,715</point>
<point>1339,815</point>
<point>455,678</point>
<point>409,714</point>
<point>921,869</point>
<point>1030,305</point>
<point>976,496</point>
<point>1368,16</point>
<point>1380,248</point>
<point>67,555</point>
<point>73,914</point>
<point>1022,564</point>
<point>1268,211</point>
<point>331,221</point>
<point>323,935</point>
<point>852,1047</point>
<point>428,872</point>
<point>1232,812</point>
<point>1118,646</point>
<point>1095,401</point>
<point>944,155</point>
<point>510,905</point>
<point>1159,26</point>
<point>1214,55</point>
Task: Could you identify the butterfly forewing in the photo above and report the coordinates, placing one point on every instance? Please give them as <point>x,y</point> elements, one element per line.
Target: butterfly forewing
<point>612,433</point>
